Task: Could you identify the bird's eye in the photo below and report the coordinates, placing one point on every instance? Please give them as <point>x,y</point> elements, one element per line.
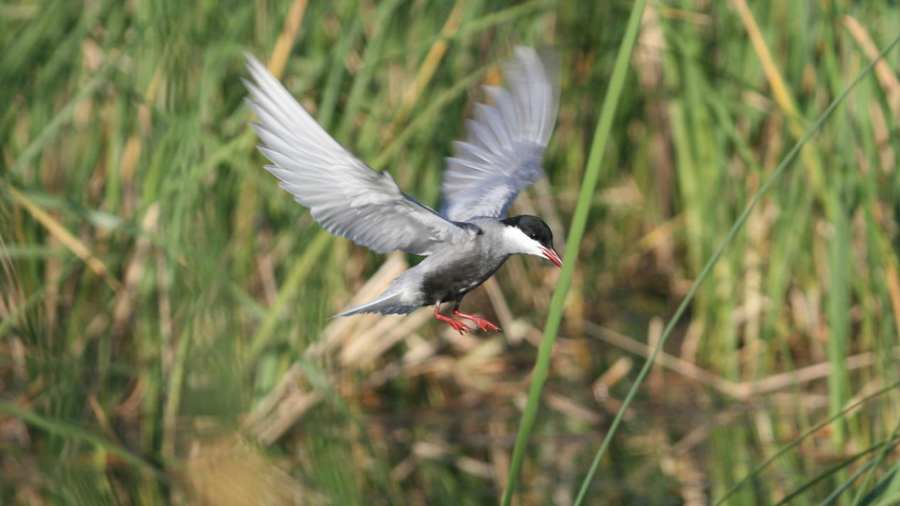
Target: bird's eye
<point>533,236</point>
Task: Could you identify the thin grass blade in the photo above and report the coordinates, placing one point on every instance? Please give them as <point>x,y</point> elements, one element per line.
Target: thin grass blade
<point>785,163</point>
<point>69,431</point>
<point>576,232</point>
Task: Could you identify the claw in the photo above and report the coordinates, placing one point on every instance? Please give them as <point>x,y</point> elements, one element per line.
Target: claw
<point>487,326</point>
<point>483,324</point>
<point>459,326</point>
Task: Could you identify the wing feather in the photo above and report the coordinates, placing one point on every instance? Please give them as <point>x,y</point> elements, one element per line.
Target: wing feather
<point>504,144</point>
<point>346,196</point>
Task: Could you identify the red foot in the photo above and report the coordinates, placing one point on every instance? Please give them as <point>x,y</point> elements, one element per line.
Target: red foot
<point>458,326</point>
<point>481,322</point>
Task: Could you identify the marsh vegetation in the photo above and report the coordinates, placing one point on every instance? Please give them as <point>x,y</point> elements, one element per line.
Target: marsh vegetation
<point>164,331</point>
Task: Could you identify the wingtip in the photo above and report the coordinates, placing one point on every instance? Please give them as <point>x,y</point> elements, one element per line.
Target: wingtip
<point>257,69</point>
<point>250,59</point>
<point>344,314</point>
<point>264,150</point>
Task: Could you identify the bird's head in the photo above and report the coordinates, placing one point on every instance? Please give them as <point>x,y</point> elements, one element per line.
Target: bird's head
<point>529,235</point>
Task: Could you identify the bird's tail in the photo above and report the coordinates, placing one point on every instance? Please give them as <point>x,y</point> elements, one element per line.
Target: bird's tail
<point>387,303</point>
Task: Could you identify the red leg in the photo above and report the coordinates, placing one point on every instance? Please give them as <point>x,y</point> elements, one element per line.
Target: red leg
<point>481,322</point>
<point>458,326</point>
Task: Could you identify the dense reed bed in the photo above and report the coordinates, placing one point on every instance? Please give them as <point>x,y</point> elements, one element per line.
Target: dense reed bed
<point>164,332</point>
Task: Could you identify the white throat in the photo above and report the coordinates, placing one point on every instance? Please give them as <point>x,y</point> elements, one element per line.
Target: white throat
<point>517,242</point>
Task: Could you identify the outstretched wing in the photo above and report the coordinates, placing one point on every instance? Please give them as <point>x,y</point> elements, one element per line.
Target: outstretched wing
<point>346,196</point>
<point>504,143</point>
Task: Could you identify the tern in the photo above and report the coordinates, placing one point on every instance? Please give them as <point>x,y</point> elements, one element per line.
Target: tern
<point>471,238</point>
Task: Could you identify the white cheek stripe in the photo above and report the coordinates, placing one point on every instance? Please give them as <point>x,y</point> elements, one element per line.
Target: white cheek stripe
<point>519,243</point>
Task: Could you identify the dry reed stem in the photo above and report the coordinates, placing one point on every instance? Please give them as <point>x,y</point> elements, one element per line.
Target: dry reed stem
<point>290,379</point>
<point>440,450</point>
<point>429,66</point>
<point>740,391</point>
<point>883,71</point>
<point>671,362</point>
<point>126,299</point>
<point>286,414</point>
<point>893,282</point>
<point>357,342</point>
<point>286,38</point>
<point>501,307</point>
<point>340,329</point>
<point>102,419</point>
<point>781,93</point>
<point>891,85</point>
<point>612,375</point>
<point>362,352</point>
<point>655,380</point>
<point>421,352</point>
<point>499,453</point>
<point>248,197</point>
<point>807,374</point>
<point>648,58</point>
<point>882,136</point>
<point>265,267</point>
<point>571,409</point>
<point>779,89</point>
<point>67,239</point>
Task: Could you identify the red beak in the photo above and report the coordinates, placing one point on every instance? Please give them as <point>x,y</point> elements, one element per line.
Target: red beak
<point>553,256</point>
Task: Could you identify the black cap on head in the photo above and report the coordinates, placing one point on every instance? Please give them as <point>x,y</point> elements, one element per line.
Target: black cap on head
<point>533,227</point>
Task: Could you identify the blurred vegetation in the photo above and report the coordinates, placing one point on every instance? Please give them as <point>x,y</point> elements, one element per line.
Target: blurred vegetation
<point>164,332</point>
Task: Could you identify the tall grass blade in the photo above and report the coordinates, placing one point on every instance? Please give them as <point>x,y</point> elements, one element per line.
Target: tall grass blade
<point>828,473</point>
<point>576,232</point>
<point>847,484</point>
<point>888,489</point>
<point>69,431</point>
<point>59,121</point>
<point>881,456</point>
<point>785,163</point>
<point>838,309</point>
<point>288,290</point>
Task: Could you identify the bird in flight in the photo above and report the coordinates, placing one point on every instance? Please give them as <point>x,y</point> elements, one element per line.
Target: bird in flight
<point>466,243</point>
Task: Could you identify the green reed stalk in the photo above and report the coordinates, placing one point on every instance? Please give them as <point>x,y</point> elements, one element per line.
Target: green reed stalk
<point>785,162</point>
<point>576,231</point>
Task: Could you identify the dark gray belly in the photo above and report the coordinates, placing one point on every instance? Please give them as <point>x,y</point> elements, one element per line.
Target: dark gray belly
<point>453,280</point>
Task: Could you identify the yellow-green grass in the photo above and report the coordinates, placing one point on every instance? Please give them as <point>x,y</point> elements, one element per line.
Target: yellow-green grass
<point>159,290</point>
